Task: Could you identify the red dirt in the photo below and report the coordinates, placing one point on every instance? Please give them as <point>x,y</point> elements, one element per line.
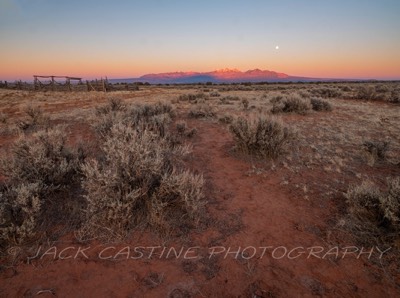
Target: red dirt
<point>244,211</point>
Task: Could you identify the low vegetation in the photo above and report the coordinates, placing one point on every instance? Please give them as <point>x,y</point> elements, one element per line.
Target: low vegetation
<point>138,182</point>
<point>202,110</point>
<point>320,105</point>
<point>38,169</point>
<point>136,174</point>
<point>139,178</point>
<point>34,120</point>
<point>327,92</point>
<point>291,103</point>
<point>375,214</point>
<point>264,136</point>
<point>192,96</point>
<point>376,149</point>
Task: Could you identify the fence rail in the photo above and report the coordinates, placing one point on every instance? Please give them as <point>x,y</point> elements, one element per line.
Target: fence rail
<point>66,83</point>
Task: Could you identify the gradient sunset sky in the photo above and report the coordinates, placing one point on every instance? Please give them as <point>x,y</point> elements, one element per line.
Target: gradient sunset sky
<point>121,39</point>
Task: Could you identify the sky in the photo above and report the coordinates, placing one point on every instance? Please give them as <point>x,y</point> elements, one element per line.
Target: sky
<point>125,39</point>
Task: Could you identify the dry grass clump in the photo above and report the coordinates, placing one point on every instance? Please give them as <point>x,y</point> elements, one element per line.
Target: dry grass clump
<point>375,214</point>
<point>203,110</point>
<point>320,105</point>
<point>264,137</point>
<point>291,103</point>
<point>138,181</point>
<point>35,119</point>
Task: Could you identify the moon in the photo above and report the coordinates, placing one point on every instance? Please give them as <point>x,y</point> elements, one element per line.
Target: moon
<point>277,48</point>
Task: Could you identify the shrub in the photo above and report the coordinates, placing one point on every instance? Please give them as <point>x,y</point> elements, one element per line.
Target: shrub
<point>138,112</point>
<point>327,92</point>
<point>39,167</point>
<point>375,214</point>
<point>192,97</point>
<point>346,88</point>
<point>380,88</point>
<point>113,105</point>
<point>320,105</point>
<point>43,158</point>
<point>391,203</point>
<point>377,149</point>
<point>227,99</point>
<point>202,111</point>
<point>291,104</point>
<point>364,201</point>
<point>181,127</point>
<point>191,132</point>
<point>226,118</point>
<point>137,182</point>
<point>3,118</point>
<point>215,94</point>
<point>36,119</point>
<point>153,116</point>
<point>276,98</point>
<point>245,103</point>
<point>20,208</point>
<point>367,93</point>
<point>264,137</point>
<point>394,96</point>
<point>183,130</point>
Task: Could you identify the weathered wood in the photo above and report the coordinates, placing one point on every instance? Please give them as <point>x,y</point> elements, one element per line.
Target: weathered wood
<point>98,85</point>
<point>54,85</point>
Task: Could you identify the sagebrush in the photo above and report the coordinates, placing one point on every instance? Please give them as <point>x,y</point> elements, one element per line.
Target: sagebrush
<point>264,136</point>
<point>138,181</point>
<point>375,214</point>
<point>292,103</point>
<point>38,168</point>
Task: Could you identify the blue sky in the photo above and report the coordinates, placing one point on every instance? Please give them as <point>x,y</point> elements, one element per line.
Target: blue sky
<point>357,39</point>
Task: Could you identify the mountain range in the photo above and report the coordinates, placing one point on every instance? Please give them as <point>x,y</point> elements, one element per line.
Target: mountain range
<point>217,76</point>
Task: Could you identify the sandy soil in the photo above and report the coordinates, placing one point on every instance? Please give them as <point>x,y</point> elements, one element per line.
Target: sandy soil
<point>272,229</point>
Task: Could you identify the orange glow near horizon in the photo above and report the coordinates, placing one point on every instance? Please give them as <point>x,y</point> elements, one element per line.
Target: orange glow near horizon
<point>320,67</point>
<point>316,39</point>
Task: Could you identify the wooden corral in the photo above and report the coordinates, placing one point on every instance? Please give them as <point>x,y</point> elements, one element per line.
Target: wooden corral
<point>66,83</point>
<point>98,85</point>
<point>53,84</point>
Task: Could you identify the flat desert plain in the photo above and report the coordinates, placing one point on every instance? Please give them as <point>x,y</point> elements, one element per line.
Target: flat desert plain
<point>205,208</point>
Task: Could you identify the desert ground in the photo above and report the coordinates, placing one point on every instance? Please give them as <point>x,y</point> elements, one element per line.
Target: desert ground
<point>318,215</point>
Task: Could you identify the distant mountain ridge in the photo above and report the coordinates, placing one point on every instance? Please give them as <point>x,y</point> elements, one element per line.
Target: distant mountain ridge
<point>217,76</point>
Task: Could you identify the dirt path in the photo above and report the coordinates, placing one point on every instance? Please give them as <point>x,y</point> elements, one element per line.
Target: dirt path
<point>273,217</point>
